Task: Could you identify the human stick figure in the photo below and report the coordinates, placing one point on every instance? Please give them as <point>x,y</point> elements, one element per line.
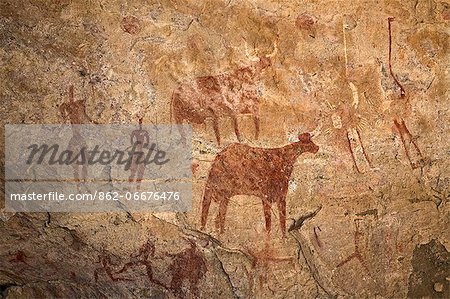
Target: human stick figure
<point>75,112</point>
<point>139,139</point>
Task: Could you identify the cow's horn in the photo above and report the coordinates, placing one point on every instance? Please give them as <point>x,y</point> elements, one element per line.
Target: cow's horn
<point>249,55</point>
<point>275,49</point>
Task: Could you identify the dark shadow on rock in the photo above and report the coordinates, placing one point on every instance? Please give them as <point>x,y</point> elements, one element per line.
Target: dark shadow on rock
<point>431,267</point>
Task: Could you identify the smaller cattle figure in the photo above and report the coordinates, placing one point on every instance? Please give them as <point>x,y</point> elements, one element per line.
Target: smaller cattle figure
<point>263,172</point>
<point>188,266</point>
<point>224,95</point>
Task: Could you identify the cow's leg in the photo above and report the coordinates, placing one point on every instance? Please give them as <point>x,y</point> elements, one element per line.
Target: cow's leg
<point>236,128</point>
<point>413,141</point>
<point>141,170</point>
<point>216,129</point>
<point>282,214</point>
<point>351,151</point>
<point>84,171</point>
<point>207,198</point>
<point>133,169</point>
<point>176,285</point>
<point>362,147</point>
<point>76,175</point>
<point>401,132</point>
<point>215,123</point>
<point>256,120</point>
<point>220,220</point>
<point>179,124</point>
<point>267,215</point>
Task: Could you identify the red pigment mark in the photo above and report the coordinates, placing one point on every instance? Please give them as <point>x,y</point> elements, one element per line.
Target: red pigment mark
<point>106,266</point>
<point>52,266</point>
<point>402,90</point>
<point>142,259</point>
<point>392,244</point>
<point>446,14</point>
<point>192,43</point>
<point>74,111</point>
<point>131,25</point>
<point>139,139</point>
<point>366,156</point>
<point>19,257</point>
<point>363,148</point>
<point>188,266</point>
<point>261,260</point>
<point>225,95</point>
<point>195,167</point>
<point>404,132</point>
<point>401,126</point>
<point>262,172</point>
<point>349,142</point>
<point>399,246</point>
<point>388,240</point>
<point>356,254</point>
<point>305,21</point>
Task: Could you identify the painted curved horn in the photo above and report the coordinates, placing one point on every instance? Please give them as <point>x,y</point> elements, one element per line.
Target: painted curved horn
<point>275,49</point>
<point>250,56</point>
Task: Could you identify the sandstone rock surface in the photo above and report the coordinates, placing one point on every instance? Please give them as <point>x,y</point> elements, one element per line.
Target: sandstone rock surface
<point>367,215</point>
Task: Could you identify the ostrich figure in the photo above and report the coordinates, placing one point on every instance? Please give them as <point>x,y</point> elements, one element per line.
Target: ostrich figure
<point>348,118</point>
<point>400,108</point>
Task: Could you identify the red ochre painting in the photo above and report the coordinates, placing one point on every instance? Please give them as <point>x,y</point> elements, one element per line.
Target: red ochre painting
<point>320,147</point>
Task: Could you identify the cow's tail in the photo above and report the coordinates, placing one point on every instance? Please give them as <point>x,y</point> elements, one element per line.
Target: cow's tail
<point>176,118</point>
<point>172,109</point>
<point>207,197</point>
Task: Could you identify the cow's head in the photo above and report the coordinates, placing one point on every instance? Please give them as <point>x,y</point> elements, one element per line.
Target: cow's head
<point>306,144</point>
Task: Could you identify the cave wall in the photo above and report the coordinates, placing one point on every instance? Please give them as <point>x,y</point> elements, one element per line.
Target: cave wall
<point>373,92</point>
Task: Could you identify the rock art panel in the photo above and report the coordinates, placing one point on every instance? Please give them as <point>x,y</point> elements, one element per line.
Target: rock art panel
<point>364,216</point>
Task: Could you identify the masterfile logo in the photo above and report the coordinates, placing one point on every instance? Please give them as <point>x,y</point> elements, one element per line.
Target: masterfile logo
<point>97,168</point>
